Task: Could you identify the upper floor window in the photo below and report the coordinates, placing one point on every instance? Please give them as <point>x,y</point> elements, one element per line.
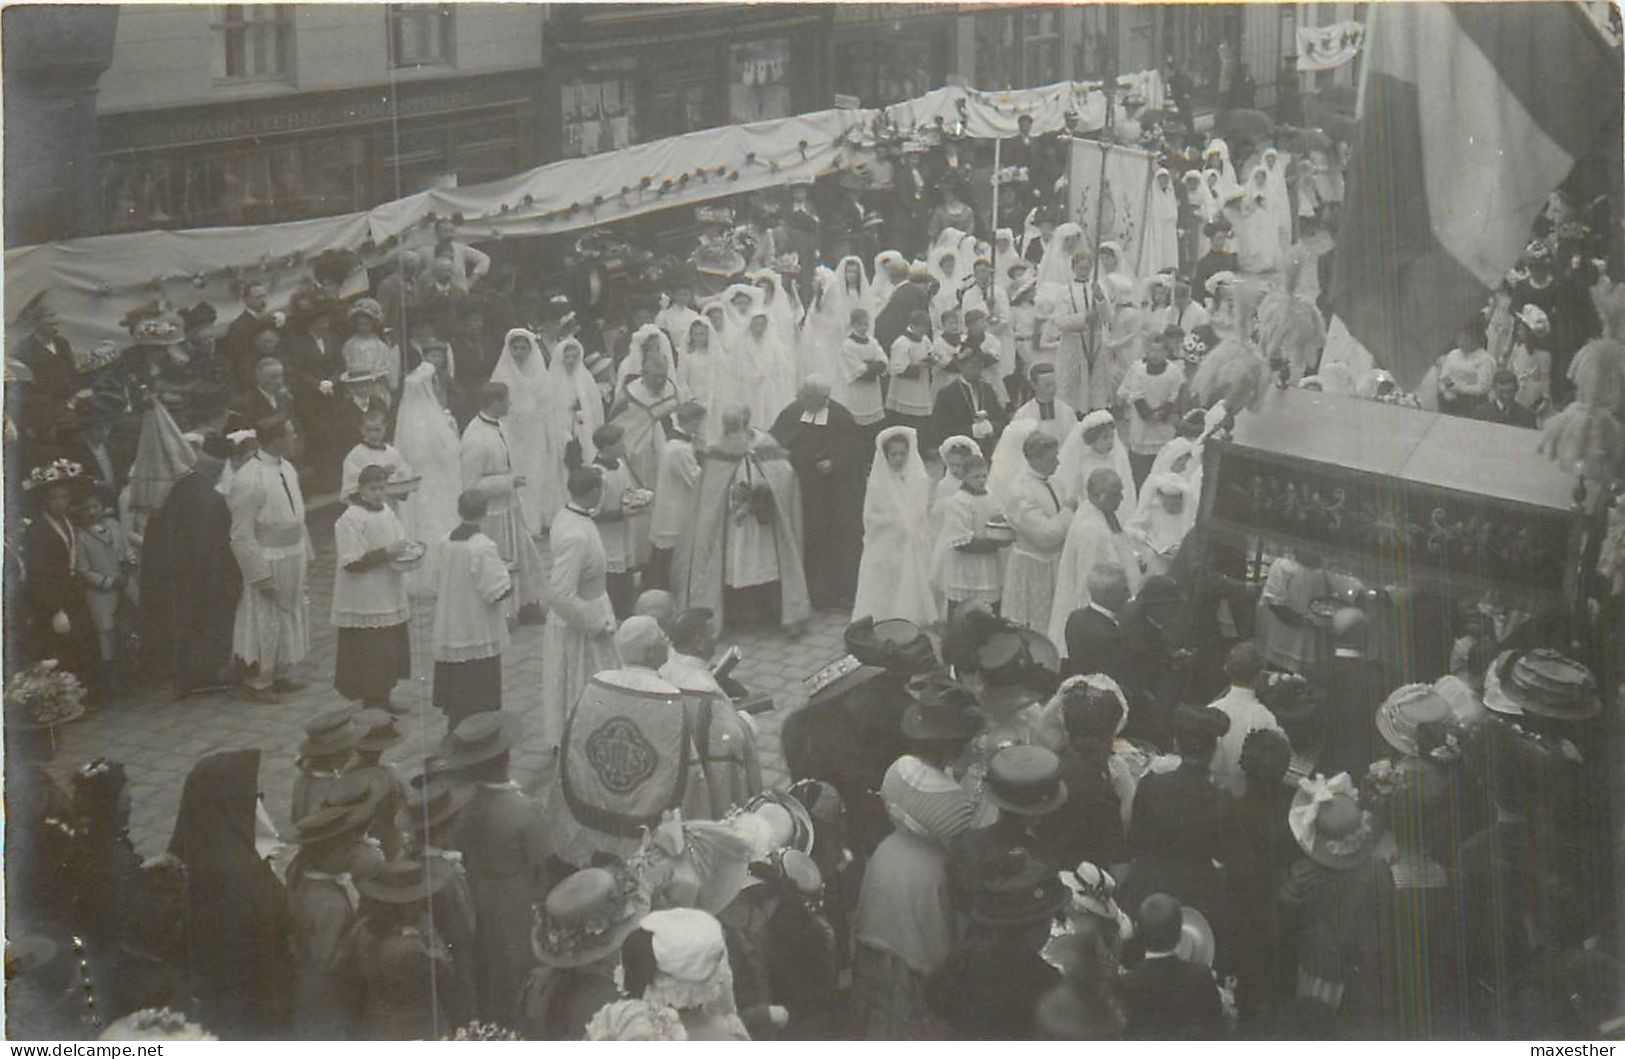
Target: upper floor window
<point>255,42</point>
<point>420,34</point>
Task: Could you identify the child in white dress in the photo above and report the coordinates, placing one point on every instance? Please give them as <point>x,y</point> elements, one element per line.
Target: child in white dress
<point>894,574</point>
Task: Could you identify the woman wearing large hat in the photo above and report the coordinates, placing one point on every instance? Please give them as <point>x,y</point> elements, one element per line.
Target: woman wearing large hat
<point>405,969</point>
<point>57,616</point>
<point>989,987</point>
<point>906,919</point>
<point>1330,896</point>
<point>576,936</point>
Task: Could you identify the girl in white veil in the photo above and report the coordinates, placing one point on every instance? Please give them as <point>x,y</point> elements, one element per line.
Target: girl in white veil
<point>1094,444</point>
<point>894,572</point>
<point>1258,241</point>
<point>1009,460</point>
<point>426,435</point>
<point>881,286</point>
<point>781,311</point>
<point>839,292</point>
<point>700,368</point>
<point>645,339</point>
<point>761,371</point>
<point>1167,511</point>
<point>1217,156</point>
<point>964,249</point>
<point>1057,264</point>
<point>530,444</point>
<point>943,261</point>
<point>1159,246</point>
<point>1280,201</point>
<point>577,404</point>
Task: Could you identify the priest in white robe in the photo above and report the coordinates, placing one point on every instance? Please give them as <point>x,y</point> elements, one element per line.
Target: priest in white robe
<point>1040,518</point>
<point>1054,416</point>
<point>488,468</point>
<point>272,630</point>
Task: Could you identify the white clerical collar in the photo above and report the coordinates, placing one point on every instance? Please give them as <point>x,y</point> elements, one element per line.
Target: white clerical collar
<point>818,419</point>
<point>1347,652</point>
<point>489,419</point>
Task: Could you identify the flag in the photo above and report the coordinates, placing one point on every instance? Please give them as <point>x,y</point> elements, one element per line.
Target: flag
<point>1470,116</point>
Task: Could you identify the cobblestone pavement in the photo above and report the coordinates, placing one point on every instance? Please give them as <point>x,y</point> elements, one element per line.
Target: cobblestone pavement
<point>159,739</point>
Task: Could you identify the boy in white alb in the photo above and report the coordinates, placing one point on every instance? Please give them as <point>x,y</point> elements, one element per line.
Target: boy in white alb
<point>913,371</point>
<point>863,363</point>
<point>372,450</point>
<point>614,529</point>
<point>1151,391</point>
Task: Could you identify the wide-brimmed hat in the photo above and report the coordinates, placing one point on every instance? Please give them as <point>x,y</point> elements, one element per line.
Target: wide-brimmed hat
<point>774,821</point>
<point>480,738</point>
<point>837,677</point>
<point>942,708</point>
<point>1016,655</point>
<point>380,730</point>
<point>895,644</point>
<point>1328,823</point>
<point>155,326</point>
<point>1094,891</point>
<point>1017,891</point>
<point>1466,708</point>
<point>587,916</point>
<point>361,792</point>
<point>404,881</point>
<point>330,733</point>
<point>434,801</point>
<point>1196,943</point>
<point>1542,683</point>
<point>1406,709</point>
<point>1025,780</point>
<point>369,308</point>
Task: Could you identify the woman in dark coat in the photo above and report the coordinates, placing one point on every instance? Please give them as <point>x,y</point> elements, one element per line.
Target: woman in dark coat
<point>1176,828</point>
<point>190,581</point>
<point>238,930</point>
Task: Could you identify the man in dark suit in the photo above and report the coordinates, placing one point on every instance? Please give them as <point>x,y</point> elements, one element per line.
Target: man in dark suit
<point>1169,998</point>
<point>1352,687</point>
<point>269,396</point>
<point>1503,406</point>
<point>1094,633</point>
<point>240,343</point>
<point>967,401</point>
<point>92,443</point>
<point>50,360</point>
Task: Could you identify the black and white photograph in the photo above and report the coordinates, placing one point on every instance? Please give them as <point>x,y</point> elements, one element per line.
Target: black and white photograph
<point>686,521</point>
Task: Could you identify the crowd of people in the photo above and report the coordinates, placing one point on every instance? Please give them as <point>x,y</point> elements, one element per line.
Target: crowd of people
<point>1117,789</point>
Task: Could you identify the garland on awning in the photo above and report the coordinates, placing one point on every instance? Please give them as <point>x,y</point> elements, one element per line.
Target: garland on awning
<point>89,279</point>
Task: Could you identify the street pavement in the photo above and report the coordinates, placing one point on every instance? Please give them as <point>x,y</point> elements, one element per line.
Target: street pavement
<point>159,739</point>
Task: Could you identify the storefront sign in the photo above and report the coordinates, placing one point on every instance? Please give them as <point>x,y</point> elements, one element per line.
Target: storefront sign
<point>1328,47</point>
<point>888,12</point>
<point>238,121</point>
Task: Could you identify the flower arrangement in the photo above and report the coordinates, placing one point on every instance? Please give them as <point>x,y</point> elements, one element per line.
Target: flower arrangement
<point>483,1031</point>
<point>53,473</point>
<point>45,695</point>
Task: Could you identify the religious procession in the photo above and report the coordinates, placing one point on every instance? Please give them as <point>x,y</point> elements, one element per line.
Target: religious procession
<point>1210,532</point>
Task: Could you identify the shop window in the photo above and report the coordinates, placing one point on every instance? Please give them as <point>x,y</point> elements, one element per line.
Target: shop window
<point>759,80</point>
<point>997,60</point>
<point>1040,47</point>
<point>597,111</point>
<point>232,185</point>
<point>890,70</point>
<point>253,42</point>
<point>1018,49</point>
<point>420,34</point>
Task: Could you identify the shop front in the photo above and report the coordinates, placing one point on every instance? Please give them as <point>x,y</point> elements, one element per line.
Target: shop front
<point>624,74</point>
<point>886,53</point>
<point>312,154</point>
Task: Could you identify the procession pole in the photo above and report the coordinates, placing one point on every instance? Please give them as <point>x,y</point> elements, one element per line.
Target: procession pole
<point>998,142</point>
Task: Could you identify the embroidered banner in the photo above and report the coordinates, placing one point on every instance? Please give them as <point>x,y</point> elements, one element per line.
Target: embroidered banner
<point>1328,47</point>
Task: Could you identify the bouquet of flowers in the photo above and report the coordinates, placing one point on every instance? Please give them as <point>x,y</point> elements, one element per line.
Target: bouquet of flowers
<point>483,1031</point>
<point>44,695</point>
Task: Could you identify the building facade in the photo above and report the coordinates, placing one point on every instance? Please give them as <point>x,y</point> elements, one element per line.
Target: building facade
<point>619,74</point>
<point>244,114</point>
